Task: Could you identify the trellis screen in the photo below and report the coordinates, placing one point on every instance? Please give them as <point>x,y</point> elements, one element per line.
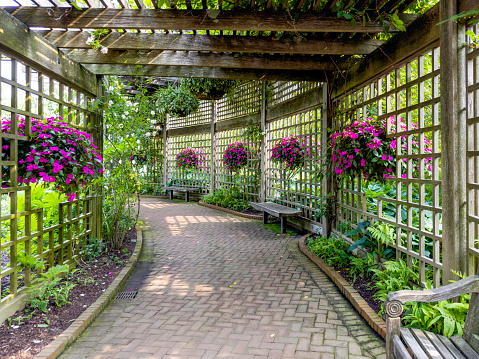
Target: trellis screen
<point>25,227</point>
<point>410,201</point>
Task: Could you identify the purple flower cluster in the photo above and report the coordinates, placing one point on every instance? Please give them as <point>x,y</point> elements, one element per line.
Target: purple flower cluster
<point>55,153</point>
<point>289,152</point>
<point>235,156</point>
<point>190,158</point>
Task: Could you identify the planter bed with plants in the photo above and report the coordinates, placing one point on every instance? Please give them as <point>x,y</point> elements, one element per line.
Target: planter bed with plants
<point>28,332</point>
<point>367,281</point>
<point>231,201</point>
<point>248,213</point>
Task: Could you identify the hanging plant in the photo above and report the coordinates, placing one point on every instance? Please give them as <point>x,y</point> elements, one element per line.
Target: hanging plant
<point>177,101</point>
<point>190,158</point>
<point>289,152</point>
<point>210,89</point>
<point>235,156</point>
<point>56,153</point>
<point>362,149</point>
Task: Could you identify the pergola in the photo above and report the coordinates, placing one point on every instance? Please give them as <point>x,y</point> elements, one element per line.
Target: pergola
<point>287,41</point>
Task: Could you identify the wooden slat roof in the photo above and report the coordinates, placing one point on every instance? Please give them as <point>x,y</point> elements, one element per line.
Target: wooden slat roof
<point>225,36</point>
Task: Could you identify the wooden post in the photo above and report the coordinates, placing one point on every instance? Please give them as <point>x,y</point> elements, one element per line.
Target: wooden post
<point>453,126</point>
<point>165,153</point>
<point>263,175</point>
<point>326,122</point>
<point>213,147</point>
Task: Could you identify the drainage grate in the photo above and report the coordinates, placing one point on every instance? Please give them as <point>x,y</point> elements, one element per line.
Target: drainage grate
<point>126,295</point>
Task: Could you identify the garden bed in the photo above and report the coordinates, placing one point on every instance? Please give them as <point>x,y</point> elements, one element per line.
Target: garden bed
<point>21,337</point>
<point>249,213</point>
<point>358,293</point>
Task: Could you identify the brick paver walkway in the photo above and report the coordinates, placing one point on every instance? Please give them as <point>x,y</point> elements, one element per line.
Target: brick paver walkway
<point>212,285</point>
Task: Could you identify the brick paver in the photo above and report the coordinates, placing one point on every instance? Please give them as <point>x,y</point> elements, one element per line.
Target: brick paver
<point>212,285</point>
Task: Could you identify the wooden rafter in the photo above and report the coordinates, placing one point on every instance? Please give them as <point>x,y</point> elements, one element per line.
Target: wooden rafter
<point>199,59</point>
<point>208,72</point>
<point>191,20</point>
<point>176,42</point>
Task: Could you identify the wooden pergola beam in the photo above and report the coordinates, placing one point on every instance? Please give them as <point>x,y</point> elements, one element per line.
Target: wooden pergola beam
<point>207,72</point>
<point>182,42</point>
<point>199,59</point>
<point>175,19</point>
<point>17,41</point>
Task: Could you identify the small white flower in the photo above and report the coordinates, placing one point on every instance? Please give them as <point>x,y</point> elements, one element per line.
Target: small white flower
<point>104,50</point>
<point>154,133</point>
<point>90,40</point>
<point>148,134</point>
<point>134,162</point>
<point>123,116</point>
<point>138,141</point>
<point>127,113</point>
<point>153,113</point>
<point>119,162</point>
<point>128,103</point>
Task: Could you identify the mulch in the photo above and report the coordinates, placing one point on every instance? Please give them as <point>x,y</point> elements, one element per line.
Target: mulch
<point>91,278</point>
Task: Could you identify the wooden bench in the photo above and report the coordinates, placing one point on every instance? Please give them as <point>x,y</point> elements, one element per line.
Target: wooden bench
<point>187,191</point>
<point>402,342</point>
<point>276,210</point>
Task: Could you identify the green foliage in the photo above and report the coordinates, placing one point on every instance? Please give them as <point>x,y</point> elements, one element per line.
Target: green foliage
<point>177,101</point>
<point>332,250</point>
<point>232,199</point>
<point>49,288</point>
<point>395,276</point>
<point>212,88</point>
<point>374,238</point>
<point>253,133</point>
<point>29,261</point>
<point>92,249</point>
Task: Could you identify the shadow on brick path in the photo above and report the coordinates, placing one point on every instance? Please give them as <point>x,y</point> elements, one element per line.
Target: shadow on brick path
<point>212,285</point>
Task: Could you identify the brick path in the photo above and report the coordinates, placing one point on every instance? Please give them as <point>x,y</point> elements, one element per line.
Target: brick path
<point>212,285</point>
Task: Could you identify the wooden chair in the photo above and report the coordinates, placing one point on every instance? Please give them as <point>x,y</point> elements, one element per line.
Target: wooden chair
<point>407,343</point>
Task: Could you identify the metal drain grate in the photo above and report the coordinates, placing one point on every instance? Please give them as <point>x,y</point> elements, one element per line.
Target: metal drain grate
<point>126,295</point>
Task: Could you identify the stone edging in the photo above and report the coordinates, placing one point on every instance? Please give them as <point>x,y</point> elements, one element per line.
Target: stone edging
<point>244,215</point>
<point>374,320</point>
<point>152,196</point>
<point>55,348</point>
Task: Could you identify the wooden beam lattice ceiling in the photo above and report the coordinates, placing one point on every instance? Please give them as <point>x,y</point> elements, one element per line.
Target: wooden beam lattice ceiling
<point>261,37</point>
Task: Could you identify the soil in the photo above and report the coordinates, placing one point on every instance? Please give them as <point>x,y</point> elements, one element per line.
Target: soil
<point>91,278</point>
<point>364,286</point>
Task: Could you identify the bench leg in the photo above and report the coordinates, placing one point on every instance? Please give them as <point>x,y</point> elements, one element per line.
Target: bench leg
<point>171,194</point>
<point>187,196</point>
<point>265,217</point>
<point>283,224</point>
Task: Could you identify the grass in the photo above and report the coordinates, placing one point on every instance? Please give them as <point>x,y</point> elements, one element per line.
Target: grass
<point>276,227</point>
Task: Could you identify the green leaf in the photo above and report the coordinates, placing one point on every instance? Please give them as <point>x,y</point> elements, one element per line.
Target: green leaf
<point>42,325</point>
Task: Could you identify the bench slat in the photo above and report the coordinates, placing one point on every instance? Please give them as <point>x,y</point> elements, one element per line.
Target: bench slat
<point>426,344</point>
<point>412,343</point>
<point>180,189</point>
<point>275,209</point>
<point>465,348</point>
<point>439,345</point>
<point>400,351</point>
<point>454,351</point>
<point>474,342</point>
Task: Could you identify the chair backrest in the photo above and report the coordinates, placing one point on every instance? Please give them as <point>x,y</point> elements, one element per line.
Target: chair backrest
<point>471,326</point>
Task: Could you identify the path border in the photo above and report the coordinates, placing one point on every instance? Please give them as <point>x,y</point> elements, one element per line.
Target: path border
<point>239,214</point>
<point>374,320</point>
<point>60,343</point>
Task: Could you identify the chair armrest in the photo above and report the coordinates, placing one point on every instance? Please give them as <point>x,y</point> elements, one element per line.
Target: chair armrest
<point>395,300</point>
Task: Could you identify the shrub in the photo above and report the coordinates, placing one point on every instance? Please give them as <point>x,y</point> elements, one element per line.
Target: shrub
<point>56,153</point>
<point>289,152</point>
<point>235,156</point>
<point>232,199</point>
<point>211,89</point>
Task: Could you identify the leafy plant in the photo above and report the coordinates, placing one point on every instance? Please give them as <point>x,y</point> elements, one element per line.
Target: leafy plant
<point>48,288</point>
<point>209,89</point>
<point>29,261</point>
<point>92,249</point>
<point>331,249</point>
<point>374,238</point>
<point>177,101</point>
<point>232,199</point>
<point>253,133</point>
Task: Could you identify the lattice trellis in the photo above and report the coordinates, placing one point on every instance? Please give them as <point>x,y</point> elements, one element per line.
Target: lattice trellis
<point>246,100</point>
<point>281,91</point>
<point>27,93</point>
<point>201,117</point>
<point>473,156</point>
<point>410,93</point>
<point>248,179</point>
<point>194,178</point>
<point>302,189</point>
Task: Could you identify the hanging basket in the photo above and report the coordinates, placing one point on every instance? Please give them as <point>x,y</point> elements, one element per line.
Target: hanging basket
<point>212,95</point>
